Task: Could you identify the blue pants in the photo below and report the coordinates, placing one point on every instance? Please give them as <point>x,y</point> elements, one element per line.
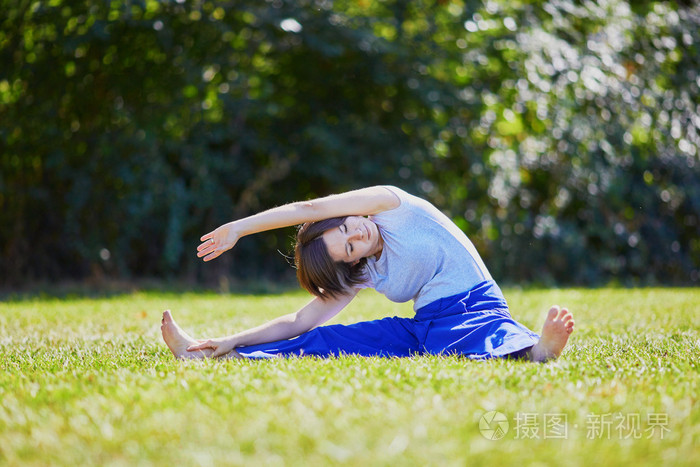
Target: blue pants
<point>476,324</point>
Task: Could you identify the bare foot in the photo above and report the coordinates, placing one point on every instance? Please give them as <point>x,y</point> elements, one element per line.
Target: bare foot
<point>557,328</point>
<point>178,340</point>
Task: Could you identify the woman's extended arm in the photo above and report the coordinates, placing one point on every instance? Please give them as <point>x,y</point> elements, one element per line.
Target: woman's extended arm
<point>313,314</point>
<point>362,202</point>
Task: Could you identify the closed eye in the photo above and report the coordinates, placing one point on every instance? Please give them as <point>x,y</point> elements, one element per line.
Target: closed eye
<point>348,247</point>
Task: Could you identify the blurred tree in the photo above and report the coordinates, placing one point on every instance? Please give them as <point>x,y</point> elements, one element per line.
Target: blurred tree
<point>590,112</point>
<point>561,135</point>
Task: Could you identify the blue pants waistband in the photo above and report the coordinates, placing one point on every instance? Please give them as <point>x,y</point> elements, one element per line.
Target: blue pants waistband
<point>485,295</point>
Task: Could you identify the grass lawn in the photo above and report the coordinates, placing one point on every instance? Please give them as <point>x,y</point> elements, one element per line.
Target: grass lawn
<point>90,382</point>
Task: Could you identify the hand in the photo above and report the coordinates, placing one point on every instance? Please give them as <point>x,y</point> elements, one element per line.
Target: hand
<point>217,242</point>
<point>221,346</point>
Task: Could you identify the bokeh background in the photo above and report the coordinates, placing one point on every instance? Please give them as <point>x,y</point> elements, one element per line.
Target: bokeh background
<point>562,136</point>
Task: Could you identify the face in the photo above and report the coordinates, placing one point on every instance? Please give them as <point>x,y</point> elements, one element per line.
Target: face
<point>357,238</point>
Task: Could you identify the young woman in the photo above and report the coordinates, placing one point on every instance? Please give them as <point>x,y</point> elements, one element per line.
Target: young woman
<point>405,248</point>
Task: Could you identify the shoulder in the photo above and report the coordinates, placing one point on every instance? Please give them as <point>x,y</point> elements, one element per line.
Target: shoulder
<point>378,198</point>
<point>395,197</point>
<point>410,207</point>
<point>400,209</point>
<point>406,200</point>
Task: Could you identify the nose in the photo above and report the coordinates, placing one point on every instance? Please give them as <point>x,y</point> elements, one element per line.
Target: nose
<point>356,234</point>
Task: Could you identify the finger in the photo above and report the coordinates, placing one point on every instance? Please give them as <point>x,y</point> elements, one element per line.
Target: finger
<point>213,255</point>
<point>206,243</point>
<point>207,250</point>
<point>200,346</point>
<point>205,246</point>
<point>219,352</point>
<point>207,236</point>
<point>206,254</point>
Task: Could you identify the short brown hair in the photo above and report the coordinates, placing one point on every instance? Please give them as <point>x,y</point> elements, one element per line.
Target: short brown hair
<point>316,270</point>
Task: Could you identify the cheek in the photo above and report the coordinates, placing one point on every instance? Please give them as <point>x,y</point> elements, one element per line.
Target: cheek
<point>331,245</point>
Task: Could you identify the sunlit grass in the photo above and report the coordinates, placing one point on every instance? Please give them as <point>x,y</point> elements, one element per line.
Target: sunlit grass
<point>89,382</point>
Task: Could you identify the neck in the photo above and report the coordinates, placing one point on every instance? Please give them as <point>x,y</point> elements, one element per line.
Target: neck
<point>380,246</point>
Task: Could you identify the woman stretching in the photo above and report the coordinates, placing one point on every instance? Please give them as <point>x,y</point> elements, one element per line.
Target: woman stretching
<point>405,248</point>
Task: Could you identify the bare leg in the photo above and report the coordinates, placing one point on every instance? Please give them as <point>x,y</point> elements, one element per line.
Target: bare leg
<point>178,341</point>
<point>558,326</point>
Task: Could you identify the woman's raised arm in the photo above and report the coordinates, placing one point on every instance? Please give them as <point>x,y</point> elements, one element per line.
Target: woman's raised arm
<point>362,202</point>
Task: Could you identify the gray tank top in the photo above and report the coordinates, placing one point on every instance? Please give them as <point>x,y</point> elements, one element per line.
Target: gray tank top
<point>425,257</point>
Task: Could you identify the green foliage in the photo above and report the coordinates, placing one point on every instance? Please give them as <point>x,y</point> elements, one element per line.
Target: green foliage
<point>561,135</point>
<point>89,382</point>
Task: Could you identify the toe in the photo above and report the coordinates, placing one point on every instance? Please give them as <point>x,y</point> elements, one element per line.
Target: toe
<point>553,312</point>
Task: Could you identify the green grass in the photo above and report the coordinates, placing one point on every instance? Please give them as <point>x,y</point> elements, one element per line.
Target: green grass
<point>89,382</point>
